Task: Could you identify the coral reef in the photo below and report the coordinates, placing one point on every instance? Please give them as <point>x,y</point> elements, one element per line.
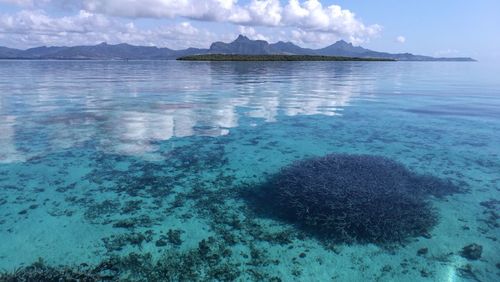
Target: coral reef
<point>468,272</point>
<point>211,260</point>
<point>40,271</point>
<point>422,251</point>
<point>174,237</point>
<point>491,208</point>
<point>355,198</point>
<point>117,242</point>
<point>140,201</point>
<point>472,251</point>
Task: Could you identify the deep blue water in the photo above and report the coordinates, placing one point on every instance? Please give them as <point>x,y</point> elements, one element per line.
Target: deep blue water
<point>103,159</point>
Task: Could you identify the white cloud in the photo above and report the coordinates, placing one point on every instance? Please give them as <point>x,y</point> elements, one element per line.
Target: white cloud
<point>301,36</point>
<point>29,28</point>
<point>210,10</point>
<point>251,33</point>
<point>91,21</point>
<point>310,15</point>
<point>267,12</point>
<point>401,39</point>
<point>38,23</point>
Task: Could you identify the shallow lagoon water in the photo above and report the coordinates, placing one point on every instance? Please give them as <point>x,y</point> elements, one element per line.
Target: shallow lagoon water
<point>144,161</point>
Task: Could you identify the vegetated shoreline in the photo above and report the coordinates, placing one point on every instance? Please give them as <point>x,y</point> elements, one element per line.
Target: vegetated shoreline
<point>245,58</point>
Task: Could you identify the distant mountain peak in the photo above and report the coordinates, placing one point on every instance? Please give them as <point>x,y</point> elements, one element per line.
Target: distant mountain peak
<point>128,45</point>
<point>241,37</point>
<point>285,43</point>
<point>343,43</point>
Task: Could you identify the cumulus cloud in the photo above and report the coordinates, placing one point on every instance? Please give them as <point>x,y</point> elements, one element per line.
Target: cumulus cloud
<point>251,33</point>
<point>210,10</point>
<point>29,28</point>
<point>304,22</point>
<point>308,15</point>
<point>304,37</point>
<point>41,23</point>
<point>401,39</point>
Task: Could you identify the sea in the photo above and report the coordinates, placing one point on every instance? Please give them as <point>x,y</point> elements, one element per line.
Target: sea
<point>163,170</point>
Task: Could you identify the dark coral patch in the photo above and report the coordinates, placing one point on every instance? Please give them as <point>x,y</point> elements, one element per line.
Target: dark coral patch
<point>361,198</point>
<point>472,251</point>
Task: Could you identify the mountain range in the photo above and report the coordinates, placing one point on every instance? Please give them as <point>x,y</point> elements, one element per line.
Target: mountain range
<point>242,46</point>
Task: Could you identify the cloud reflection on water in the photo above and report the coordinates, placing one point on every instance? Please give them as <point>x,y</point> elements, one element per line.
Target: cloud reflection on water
<point>127,107</point>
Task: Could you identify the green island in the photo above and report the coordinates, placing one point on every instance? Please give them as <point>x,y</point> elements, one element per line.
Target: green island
<point>236,57</point>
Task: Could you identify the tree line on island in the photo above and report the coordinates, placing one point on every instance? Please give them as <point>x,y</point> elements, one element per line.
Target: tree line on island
<point>237,57</point>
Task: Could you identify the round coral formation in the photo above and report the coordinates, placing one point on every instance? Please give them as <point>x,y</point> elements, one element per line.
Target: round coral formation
<point>358,198</point>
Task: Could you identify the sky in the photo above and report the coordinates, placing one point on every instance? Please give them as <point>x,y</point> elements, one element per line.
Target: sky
<point>428,27</point>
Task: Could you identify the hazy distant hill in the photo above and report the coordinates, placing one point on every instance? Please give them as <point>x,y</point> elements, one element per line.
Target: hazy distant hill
<point>9,52</point>
<point>242,46</point>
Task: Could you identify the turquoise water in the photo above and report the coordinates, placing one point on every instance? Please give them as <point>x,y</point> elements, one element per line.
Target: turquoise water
<point>145,163</point>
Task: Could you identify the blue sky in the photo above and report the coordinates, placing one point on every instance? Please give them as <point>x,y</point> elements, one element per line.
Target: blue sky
<point>437,28</point>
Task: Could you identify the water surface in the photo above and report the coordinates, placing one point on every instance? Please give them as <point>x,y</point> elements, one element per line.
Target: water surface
<point>103,159</point>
